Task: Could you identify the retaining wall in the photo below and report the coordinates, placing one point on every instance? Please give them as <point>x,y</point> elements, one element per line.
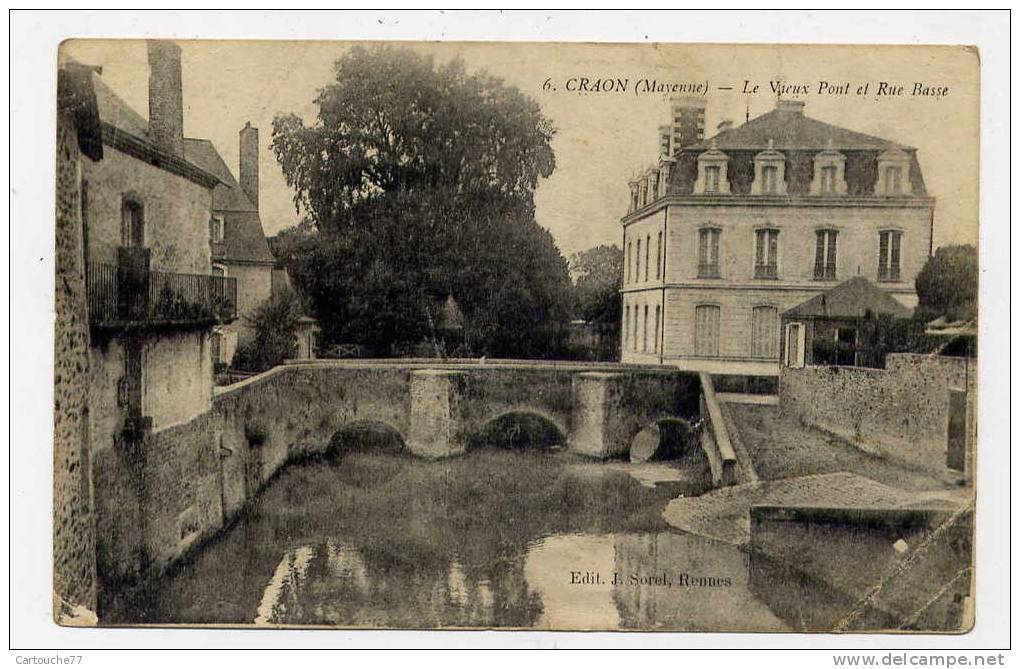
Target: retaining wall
<point>900,412</point>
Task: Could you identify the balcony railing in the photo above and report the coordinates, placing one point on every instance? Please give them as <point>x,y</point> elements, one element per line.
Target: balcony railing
<point>766,271</point>
<point>125,296</point>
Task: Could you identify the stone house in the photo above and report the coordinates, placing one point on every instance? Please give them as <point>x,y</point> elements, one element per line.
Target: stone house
<point>152,299</point>
<point>724,235</point>
<point>79,138</point>
<point>842,326</point>
<point>236,237</point>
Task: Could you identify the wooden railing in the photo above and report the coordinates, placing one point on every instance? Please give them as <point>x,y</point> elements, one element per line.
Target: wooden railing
<point>121,296</point>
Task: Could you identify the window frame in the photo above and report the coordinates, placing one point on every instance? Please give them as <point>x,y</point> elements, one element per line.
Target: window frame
<point>830,247</point>
<point>887,272</point>
<point>773,338</point>
<point>770,235</point>
<point>707,307</point>
<point>709,252</point>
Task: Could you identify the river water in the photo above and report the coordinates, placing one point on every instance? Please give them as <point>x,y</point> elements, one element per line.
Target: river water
<point>496,538</point>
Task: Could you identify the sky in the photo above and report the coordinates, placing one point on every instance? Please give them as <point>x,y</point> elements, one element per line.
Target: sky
<point>602,138</point>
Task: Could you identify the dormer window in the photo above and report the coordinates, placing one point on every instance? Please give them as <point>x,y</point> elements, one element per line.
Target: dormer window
<point>712,173</point>
<point>633,196</point>
<point>769,172</point>
<point>830,173</point>
<point>893,177</point>
<point>712,179</point>
<point>893,170</point>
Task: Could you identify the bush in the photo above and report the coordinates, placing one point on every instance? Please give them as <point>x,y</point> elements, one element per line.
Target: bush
<point>275,324</point>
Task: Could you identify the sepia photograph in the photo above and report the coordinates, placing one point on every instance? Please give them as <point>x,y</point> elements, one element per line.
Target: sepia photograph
<point>563,336</point>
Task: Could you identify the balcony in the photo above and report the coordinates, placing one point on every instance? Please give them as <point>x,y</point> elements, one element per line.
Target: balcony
<point>766,271</point>
<point>133,297</point>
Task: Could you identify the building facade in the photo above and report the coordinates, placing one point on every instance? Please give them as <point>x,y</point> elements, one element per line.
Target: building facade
<point>150,295</point>
<point>727,234</point>
<point>236,240</point>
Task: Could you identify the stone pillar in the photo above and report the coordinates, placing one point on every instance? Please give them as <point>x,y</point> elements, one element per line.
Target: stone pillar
<point>596,430</point>
<point>435,429</point>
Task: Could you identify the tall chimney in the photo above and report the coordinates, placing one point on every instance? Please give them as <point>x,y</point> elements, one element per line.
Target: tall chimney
<point>248,163</point>
<point>166,105</point>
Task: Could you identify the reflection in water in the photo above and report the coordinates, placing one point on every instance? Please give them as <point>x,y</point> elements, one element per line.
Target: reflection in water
<point>492,539</point>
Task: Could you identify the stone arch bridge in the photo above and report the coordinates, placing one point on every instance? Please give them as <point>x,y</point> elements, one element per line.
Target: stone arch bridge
<point>437,406</point>
<point>185,482</point>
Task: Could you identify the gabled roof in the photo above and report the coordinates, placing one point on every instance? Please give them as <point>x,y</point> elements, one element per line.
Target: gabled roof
<point>227,196</point>
<point>792,131</point>
<point>854,298</point>
<point>126,130</point>
<point>118,113</point>
<point>244,239</point>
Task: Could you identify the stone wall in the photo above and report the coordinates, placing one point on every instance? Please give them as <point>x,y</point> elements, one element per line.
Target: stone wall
<point>254,286</point>
<point>900,412</point>
<point>180,484</point>
<point>176,213</point>
<point>74,566</point>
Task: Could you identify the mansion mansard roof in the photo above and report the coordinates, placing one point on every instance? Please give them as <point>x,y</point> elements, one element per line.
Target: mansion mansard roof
<point>797,143</point>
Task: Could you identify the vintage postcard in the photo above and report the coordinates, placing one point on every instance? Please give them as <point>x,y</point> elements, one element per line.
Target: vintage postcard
<point>509,335</point>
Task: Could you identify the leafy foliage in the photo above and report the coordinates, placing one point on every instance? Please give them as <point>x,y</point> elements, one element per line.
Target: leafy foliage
<point>275,324</point>
<point>947,285</point>
<point>598,277</point>
<point>417,181</point>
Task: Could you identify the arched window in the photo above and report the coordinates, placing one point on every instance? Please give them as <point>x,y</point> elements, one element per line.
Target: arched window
<point>132,230</point>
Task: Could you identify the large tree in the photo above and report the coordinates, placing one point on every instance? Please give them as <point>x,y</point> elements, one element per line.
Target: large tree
<point>419,179</point>
<point>947,285</point>
<point>598,277</point>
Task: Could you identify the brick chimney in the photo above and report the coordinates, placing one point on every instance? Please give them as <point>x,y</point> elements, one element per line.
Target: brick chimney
<point>248,162</point>
<point>791,106</point>
<point>166,105</point>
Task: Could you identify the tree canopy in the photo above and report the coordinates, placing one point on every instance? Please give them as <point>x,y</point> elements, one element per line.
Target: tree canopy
<point>417,180</point>
<point>947,285</point>
<point>598,277</point>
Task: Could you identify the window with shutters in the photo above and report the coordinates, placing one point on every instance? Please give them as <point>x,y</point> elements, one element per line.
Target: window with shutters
<point>706,330</point>
<point>828,179</point>
<point>889,255</point>
<point>644,331</point>
<point>766,254</point>
<point>708,253</point>
<point>825,254</point>
<point>770,179</point>
<point>712,179</point>
<point>658,257</point>
<point>626,326</point>
<point>648,251</point>
<point>764,332</point>
<point>637,262</point>
<point>893,177</point>
<point>658,324</point>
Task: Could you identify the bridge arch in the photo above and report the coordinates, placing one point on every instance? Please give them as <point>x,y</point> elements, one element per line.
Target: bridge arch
<point>366,435</point>
<point>518,428</point>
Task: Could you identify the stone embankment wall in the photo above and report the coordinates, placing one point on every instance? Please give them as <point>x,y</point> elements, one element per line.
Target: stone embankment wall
<point>900,412</point>
<point>181,484</point>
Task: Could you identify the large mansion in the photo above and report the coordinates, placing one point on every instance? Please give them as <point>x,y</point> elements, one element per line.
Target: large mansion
<point>724,235</point>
